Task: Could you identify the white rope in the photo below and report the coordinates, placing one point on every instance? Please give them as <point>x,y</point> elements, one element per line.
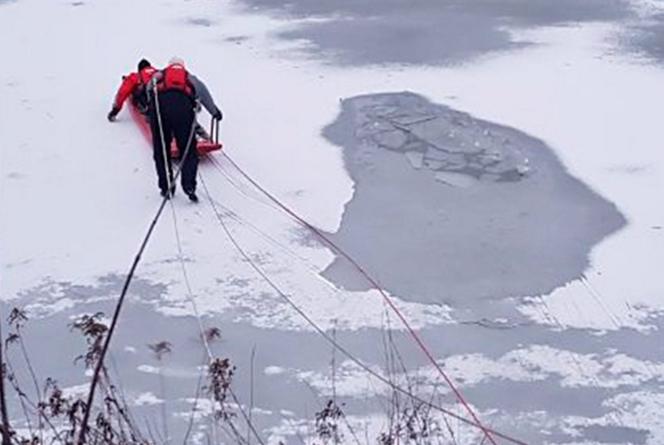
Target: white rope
<point>201,326</point>
<point>190,293</point>
<point>167,165</point>
<point>175,222</point>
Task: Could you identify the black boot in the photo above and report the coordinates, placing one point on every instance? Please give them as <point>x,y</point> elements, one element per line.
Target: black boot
<point>164,193</point>
<point>192,195</point>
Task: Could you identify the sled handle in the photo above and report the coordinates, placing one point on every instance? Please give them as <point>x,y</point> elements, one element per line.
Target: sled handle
<point>214,130</point>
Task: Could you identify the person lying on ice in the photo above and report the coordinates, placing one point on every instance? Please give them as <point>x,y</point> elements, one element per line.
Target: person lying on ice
<point>172,114</point>
<point>134,85</point>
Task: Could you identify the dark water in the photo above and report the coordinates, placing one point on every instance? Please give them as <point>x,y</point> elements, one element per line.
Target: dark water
<point>428,31</point>
<point>646,38</point>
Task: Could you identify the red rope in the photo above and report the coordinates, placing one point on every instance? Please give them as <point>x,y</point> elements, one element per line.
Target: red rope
<point>377,287</point>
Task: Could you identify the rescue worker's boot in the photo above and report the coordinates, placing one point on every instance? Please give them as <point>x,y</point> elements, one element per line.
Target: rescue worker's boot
<point>192,195</point>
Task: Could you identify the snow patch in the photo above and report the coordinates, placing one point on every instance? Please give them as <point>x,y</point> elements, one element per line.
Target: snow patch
<point>147,398</point>
<point>274,370</point>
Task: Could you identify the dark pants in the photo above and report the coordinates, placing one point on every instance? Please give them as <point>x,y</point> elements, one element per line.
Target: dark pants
<point>177,115</point>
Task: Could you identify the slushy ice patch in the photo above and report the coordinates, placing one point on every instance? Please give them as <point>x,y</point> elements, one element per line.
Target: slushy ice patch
<point>451,208</point>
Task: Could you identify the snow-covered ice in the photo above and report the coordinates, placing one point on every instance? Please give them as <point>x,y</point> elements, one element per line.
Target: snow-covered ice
<point>77,193</point>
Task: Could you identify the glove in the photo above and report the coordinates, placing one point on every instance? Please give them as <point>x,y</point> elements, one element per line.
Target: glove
<point>112,114</point>
<point>217,115</point>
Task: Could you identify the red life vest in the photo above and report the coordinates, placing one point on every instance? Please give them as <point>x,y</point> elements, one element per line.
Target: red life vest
<point>176,78</point>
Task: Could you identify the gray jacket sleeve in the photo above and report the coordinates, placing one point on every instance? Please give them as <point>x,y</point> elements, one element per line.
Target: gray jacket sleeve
<point>203,95</point>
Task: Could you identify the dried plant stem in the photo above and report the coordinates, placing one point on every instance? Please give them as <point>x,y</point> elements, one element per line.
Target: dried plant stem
<point>6,438</point>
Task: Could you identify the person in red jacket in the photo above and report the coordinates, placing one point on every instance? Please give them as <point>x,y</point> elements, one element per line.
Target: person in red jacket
<point>134,85</point>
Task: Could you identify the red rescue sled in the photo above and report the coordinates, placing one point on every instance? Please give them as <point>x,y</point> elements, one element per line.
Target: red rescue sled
<point>204,146</point>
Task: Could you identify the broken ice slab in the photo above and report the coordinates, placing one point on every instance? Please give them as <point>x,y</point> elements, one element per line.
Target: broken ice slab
<point>384,110</point>
<point>487,160</point>
<point>416,159</point>
<point>455,179</point>
<point>433,165</point>
<point>414,144</point>
<point>392,140</point>
<point>411,119</point>
<point>436,155</point>
<point>372,127</point>
<point>450,158</point>
<point>437,133</point>
<point>453,166</point>
<point>523,169</point>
